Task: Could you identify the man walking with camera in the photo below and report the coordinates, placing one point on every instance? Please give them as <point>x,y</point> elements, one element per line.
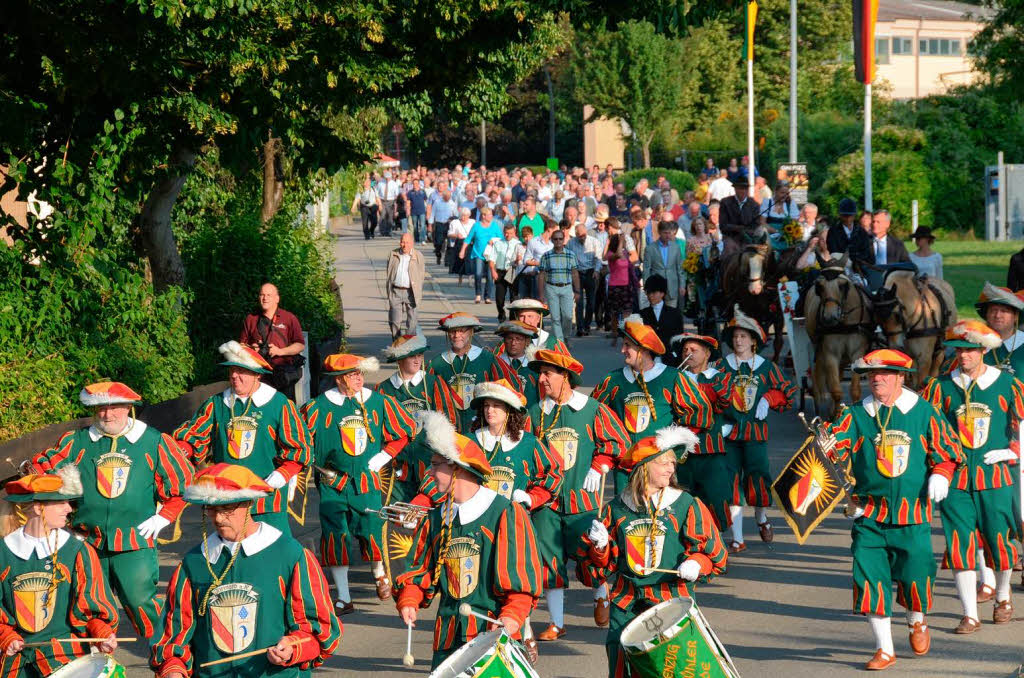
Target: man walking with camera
<point>277,336</point>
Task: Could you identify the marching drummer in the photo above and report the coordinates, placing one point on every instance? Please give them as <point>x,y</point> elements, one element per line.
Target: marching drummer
<point>902,454</point>
<point>1000,308</point>
<point>483,542</point>
<point>464,365</point>
<point>646,393</point>
<point>415,391</point>
<point>655,541</point>
<point>514,350</point>
<point>133,495</point>
<point>252,424</point>
<point>247,587</point>
<point>532,313</point>
<point>586,438</point>
<point>355,433</point>
<point>757,386</point>
<point>706,471</point>
<point>985,406</point>
<point>51,584</point>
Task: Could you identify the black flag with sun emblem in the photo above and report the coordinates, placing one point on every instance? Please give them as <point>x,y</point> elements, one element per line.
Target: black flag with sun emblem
<point>809,486</point>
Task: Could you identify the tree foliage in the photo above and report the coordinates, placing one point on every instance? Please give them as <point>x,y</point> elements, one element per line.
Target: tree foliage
<point>999,45</point>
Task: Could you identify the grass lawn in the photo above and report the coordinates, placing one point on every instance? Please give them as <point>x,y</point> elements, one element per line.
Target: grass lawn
<point>968,264</point>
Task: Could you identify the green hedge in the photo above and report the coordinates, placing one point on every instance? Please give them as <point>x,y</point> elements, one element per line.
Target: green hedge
<point>681,181</point>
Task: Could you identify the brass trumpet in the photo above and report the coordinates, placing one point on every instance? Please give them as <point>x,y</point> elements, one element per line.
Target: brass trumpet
<point>401,513</point>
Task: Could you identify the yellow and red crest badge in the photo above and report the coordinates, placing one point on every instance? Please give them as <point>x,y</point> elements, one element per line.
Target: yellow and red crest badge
<point>892,455</point>
<point>565,443</point>
<point>33,600</point>
<point>973,422</point>
<point>644,545</point>
<point>744,392</point>
<point>462,566</point>
<point>638,413</point>
<point>354,436</point>
<point>241,437</point>
<point>463,384</point>
<point>233,612</point>
<point>112,470</point>
<point>502,480</point>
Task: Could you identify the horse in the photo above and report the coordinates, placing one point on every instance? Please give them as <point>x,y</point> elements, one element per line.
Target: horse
<point>915,313</point>
<point>839,322</point>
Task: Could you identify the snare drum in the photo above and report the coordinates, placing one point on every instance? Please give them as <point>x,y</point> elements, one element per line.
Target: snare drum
<point>91,666</point>
<point>489,655</point>
<point>672,640</point>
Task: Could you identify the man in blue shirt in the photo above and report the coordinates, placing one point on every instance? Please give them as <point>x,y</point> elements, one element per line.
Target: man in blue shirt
<point>416,199</point>
<point>440,210</point>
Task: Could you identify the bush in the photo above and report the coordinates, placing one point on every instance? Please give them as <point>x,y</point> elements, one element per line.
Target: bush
<point>898,178</point>
<point>681,181</point>
<point>344,187</point>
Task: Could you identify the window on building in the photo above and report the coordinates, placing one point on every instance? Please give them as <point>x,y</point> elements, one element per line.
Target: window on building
<point>882,50</point>
<point>902,46</point>
<point>939,47</point>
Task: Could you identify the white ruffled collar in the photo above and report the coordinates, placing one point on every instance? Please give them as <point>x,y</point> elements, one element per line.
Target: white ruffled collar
<point>904,403</point>
<point>396,379</point>
<point>576,402</point>
<point>472,508</point>
<point>668,497</point>
<point>734,363</point>
<point>473,354</point>
<point>260,398</point>
<point>336,396</point>
<point>22,545</point>
<point>264,536</point>
<point>649,375</point>
<point>135,431</point>
<point>488,440</point>
<point>988,377</point>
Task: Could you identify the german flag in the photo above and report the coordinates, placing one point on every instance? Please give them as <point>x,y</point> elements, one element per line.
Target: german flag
<point>865,13</point>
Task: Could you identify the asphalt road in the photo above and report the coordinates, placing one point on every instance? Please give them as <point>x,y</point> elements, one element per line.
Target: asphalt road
<point>781,611</point>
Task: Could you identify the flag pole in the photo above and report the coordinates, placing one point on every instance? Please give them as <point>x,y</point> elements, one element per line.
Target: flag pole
<point>750,123</point>
<point>867,148</point>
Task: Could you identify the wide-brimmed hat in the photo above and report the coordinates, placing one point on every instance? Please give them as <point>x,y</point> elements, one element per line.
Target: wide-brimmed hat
<point>223,484</point>
<point>678,439</point>
<point>847,207</point>
<point>459,319</point>
<point>237,355</point>
<point>741,182</point>
<point>500,390</point>
<point>527,305</point>
<point>710,342</point>
<point>442,439</point>
<point>338,364</point>
<point>405,346</point>
<point>108,393</point>
<point>884,359</point>
<point>560,360</point>
<point>742,321</point>
<point>64,485</point>
<point>644,336</point>
<point>990,294</point>
<point>516,327</point>
<point>972,334</point>
<point>922,232</point>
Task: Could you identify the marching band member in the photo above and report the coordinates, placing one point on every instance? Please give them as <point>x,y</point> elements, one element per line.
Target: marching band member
<point>985,406</point>
<point>483,542</point>
<point>514,350</point>
<point>586,438</point>
<point>902,454</point>
<point>647,394</point>
<point>133,495</point>
<point>532,313</point>
<point>251,424</point>
<point>652,523</point>
<point>757,385</point>
<point>1000,308</point>
<point>355,432</point>
<point>247,587</point>
<point>51,585</point>
<point>706,471</point>
<point>464,365</point>
<point>415,391</point>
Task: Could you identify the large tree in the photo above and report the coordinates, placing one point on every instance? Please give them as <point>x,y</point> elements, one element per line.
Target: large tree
<point>999,46</point>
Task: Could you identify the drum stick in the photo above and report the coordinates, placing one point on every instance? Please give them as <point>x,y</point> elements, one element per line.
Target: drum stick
<point>79,640</point>
<point>244,655</point>
<point>648,570</point>
<point>467,611</point>
<point>408,659</point>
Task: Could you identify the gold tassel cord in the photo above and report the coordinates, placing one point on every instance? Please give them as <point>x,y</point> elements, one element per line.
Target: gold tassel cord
<point>639,376</point>
<point>217,580</point>
<point>541,431</point>
<point>446,529</point>
<point>366,418</point>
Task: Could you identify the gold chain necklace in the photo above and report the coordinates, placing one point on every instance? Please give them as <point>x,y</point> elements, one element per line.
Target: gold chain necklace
<point>218,580</point>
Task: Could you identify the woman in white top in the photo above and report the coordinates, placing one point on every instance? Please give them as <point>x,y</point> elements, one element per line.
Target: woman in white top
<point>458,229</point>
<point>924,257</point>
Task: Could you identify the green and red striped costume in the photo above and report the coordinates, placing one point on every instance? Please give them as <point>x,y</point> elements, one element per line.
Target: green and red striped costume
<point>490,561</point>
<point>524,464</point>
<point>461,373</point>
<point>82,605</point>
<point>527,377</point>
<point>706,472</point>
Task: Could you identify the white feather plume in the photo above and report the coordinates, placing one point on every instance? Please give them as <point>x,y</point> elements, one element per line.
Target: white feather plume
<point>676,436</point>
<point>440,434</point>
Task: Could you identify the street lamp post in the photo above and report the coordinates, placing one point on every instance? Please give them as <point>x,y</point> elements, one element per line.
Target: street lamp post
<point>792,81</point>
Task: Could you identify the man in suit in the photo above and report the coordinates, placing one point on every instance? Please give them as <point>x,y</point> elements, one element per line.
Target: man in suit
<point>849,237</point>
<point>662,257</point>
<point>888,250</point>
<point>739,214</point>
<point>405,272</point>
<point>667,321</point>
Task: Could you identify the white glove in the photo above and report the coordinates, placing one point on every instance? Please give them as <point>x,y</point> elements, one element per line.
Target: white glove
<point>592,483</point>
<point>689,570</point>
<point>762,409</point>
<point>996,456</point>
<point>726,430</point>
<point>378,461</point>
<point>150,527</point>
<point>275,480</point>
<point>522,497</point>
<point>938,487</point>
<point>598,534</point>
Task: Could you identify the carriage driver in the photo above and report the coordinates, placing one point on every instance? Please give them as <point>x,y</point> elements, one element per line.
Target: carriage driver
<point>902,454</point>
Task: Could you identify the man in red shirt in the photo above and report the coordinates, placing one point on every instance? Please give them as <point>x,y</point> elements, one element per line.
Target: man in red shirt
<point>277,335</point>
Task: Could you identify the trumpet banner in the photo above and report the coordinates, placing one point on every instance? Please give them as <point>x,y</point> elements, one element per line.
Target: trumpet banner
<point>808,488</point>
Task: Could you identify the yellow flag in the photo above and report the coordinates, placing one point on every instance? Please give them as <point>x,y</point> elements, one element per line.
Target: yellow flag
<point>751,22</point>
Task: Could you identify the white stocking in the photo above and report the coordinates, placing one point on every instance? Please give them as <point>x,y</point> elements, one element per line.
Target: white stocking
<point>761,514</point>
<point>340,577</point>
<point>377,569</point>
<point>1002,578</point>
<point>601,591</point>
<point>988,575</point>
<point>737,523</point>
<point>882,628</point>
<point>914,618</point>
<point>967,590</point>
<point>556,606</point>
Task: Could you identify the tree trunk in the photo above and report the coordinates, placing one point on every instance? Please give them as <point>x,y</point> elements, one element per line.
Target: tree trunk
<point>273,179</point>
<point>158,240</point>
<point>646,148</point>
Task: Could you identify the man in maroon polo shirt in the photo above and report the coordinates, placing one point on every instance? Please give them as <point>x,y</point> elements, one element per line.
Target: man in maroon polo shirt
<point>277,335</point>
